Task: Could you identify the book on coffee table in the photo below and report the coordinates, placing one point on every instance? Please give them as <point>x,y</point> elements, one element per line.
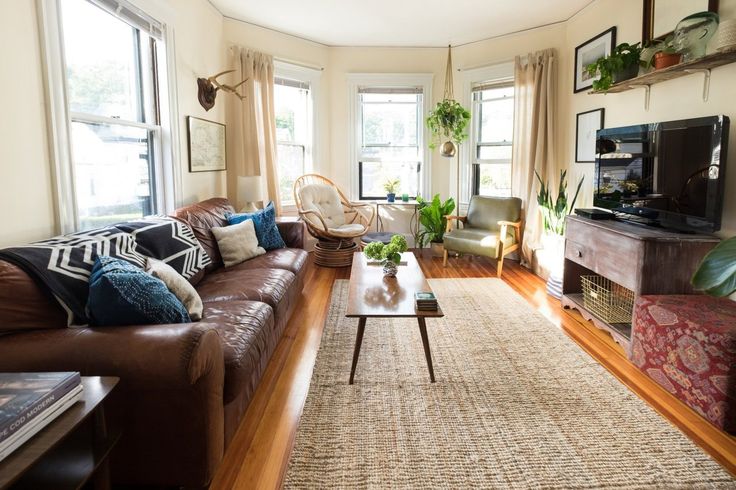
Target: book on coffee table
<point>425,301</point>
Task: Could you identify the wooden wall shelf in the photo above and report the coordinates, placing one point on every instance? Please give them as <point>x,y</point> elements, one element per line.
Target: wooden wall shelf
<point>701,65</point>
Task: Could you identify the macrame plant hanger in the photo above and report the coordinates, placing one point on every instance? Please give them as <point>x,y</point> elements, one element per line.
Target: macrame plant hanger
<point>449,149</point>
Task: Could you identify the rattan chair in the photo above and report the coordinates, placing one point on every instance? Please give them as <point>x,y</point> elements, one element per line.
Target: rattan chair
<point>332,219</point>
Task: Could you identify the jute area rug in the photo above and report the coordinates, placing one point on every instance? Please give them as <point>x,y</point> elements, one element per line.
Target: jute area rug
<point>516,405</point>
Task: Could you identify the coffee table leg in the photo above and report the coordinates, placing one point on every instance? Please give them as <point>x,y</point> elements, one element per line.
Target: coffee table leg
<point>425,341</point>
<point>358,342</point>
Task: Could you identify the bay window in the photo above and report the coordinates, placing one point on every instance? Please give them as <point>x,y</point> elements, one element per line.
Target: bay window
<point>492,138</point>
<point>293,106</point>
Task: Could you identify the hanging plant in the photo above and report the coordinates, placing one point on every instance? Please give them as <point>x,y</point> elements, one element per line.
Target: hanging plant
<point>449,120</point>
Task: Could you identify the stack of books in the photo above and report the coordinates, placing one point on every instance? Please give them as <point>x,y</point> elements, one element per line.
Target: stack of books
<point>425,301</point>
<point>30,401</point>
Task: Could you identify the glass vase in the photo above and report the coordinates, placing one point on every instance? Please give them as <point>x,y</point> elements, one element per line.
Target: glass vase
<point>390,269</point>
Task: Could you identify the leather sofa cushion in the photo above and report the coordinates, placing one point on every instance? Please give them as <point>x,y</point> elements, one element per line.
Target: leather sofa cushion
<point>25,305</point>
<point>245,330</point>
<point>485,212</point>
<point>475,241</point>
<point>265,285</point>
<point>290,259</point>
<point>201,217</point>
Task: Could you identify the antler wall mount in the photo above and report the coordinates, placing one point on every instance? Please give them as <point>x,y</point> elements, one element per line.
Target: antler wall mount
<point>208,87</point>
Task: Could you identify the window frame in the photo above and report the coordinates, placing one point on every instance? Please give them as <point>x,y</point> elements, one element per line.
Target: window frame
<point>493,73</point>
<point>312,77</point>
<point>378,81</point>
<point>168,176</point>
<point>476,121</point>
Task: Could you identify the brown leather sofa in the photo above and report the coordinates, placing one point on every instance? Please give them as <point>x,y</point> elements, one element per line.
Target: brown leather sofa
<point>183,388</point>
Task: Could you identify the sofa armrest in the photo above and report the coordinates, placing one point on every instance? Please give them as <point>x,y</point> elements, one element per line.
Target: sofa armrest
<point>292,231</point>
<point>168,403</point>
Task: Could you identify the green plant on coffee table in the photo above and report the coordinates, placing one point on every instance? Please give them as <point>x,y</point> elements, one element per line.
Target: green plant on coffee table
<point>391,186</point>
<point>622,57</point>
<point>448,120</point>
<point>433,218</point>
<point>716,274</point>
<point>554,213</point>
<point>387,253</point>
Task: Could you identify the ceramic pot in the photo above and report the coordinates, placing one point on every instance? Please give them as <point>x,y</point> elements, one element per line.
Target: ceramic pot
<point>626,74</point>
<point>726,36</point>
<point>664,60</point>
<point>390,269</point>
<point>391,197</point>
<point>438,249</point>
<point>554,251</point>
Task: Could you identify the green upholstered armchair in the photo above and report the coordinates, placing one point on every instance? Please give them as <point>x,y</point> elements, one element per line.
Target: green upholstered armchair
<point>488,219</point>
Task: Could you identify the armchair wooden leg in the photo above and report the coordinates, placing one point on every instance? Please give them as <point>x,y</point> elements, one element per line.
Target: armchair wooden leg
<point>444,258</point>
<point>499,267</point>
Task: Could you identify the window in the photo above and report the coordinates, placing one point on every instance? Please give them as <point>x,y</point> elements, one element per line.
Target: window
<point>493,127</point>
<point>293,106</point>
<point>390,140</point>
<point>107,80</point>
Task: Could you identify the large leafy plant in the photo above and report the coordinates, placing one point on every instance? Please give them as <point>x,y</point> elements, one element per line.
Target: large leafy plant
<point>554,212</point>
<point>433,218</point>
<point>622,57</point>
<point>716,274</point>
<point>448,120</point>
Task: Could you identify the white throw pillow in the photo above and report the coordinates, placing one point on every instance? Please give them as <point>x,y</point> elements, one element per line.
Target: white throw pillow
<point>178,285</point>
<point>237,243</point>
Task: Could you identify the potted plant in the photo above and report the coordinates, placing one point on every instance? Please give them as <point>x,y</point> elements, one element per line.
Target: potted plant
<point>665,54</point>
<point>622,64</point>
<point>433,218</point>
<point>391,186</point>
<point>553,222</point>
<point>389,255</point>
<point>448,121</point>
<point>716,274</point>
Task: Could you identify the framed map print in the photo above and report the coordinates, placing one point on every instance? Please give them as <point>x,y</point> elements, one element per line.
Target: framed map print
<point>206,145</point>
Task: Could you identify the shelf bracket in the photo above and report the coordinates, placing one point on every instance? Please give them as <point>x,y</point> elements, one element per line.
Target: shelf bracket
<point>706,80</point>
<point>647,93</point>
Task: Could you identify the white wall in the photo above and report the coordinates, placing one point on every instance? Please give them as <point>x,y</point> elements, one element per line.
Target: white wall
<point>203,35</point>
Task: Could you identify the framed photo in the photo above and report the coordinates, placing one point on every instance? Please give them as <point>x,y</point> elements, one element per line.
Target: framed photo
<point>586,124</point>
<point>588,53</point>
<point>206,145</point>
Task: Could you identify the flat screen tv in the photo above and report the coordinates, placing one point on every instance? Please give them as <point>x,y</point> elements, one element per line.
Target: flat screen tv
<point>669,174</point>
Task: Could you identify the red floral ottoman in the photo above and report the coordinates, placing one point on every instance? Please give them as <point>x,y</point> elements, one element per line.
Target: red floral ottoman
<point>687,344</point>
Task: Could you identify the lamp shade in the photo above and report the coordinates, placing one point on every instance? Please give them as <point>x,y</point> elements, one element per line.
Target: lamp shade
<point>250,189</point>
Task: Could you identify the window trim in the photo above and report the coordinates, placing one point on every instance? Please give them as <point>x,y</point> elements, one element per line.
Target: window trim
<point>498,72</point>
<point>384,81</point>
<point>59,116</point>
<point>313,158</point>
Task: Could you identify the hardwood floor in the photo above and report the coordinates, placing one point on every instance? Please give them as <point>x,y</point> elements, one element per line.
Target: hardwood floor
<point>259,453</point>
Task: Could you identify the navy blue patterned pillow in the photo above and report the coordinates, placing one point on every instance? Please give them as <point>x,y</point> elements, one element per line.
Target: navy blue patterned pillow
<point>265,223</point>
<point>123,294</point>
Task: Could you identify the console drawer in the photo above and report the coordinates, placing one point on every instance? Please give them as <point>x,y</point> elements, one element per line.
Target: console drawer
<point>606,253</point>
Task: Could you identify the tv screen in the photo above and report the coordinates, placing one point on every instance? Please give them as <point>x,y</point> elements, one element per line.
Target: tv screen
<point>669,174</point>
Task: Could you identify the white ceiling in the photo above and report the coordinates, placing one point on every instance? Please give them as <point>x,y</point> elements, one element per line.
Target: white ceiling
<point>399,22</point>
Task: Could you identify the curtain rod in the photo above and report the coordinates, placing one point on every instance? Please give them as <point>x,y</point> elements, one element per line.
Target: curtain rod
<point>486,65</point>
<point>286,60</point>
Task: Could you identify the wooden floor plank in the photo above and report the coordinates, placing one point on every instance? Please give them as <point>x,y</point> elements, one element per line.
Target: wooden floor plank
<point>259,453</point>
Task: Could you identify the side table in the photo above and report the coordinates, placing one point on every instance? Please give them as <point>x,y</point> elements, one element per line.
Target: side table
<point>71,451</point>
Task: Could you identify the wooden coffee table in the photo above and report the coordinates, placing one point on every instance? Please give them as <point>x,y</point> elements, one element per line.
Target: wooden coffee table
<point>373,296</point>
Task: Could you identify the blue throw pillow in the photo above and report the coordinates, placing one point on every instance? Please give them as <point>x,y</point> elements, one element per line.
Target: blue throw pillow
<point>123,294</point>
<point>265,223</point>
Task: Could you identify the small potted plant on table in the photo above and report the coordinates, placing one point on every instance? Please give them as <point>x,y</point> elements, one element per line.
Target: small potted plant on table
<point>391,186</point>
<point>389,255</point>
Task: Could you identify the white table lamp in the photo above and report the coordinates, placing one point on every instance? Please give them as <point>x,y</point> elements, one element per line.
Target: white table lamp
<point>250,191</point>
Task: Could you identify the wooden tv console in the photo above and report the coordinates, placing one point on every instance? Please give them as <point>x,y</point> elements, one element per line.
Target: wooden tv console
<point>643,259</point>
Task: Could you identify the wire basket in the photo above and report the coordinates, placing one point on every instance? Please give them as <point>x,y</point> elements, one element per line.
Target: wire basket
<point>607,300</point>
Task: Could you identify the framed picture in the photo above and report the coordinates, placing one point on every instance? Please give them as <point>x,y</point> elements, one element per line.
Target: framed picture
<point>588,53</point>
<point>586,124</point>
<point>206,145</point>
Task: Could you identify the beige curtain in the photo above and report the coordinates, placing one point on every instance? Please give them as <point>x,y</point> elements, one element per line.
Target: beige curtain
<point>251,124</point>
<point>535,91</point>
